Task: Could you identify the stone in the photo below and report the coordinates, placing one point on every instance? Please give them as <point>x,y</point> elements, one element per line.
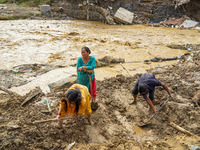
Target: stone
<point>47,80</point>
<point>60,83</point>
<point>45,9</point>
<point>189,24</point>
<point>124,16</point>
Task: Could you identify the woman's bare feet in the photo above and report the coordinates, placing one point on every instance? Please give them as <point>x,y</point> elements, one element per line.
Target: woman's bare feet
<point>91,122</point>
<point>132,103</point>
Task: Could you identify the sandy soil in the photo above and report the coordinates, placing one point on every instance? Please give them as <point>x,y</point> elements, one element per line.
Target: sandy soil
<point>115,121</point>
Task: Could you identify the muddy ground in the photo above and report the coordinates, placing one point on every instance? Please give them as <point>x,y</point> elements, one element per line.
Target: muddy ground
<point>115,121</point>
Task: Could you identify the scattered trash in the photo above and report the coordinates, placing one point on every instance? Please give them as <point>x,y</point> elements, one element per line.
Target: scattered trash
<point>48,104</point>
<point>71,145</point>
<point>159,59</point>
<point>26,68</point>
<point>190,49</point>
<point>194,147</point>
<point>189,24</point>
<point>3,7</point>
<point>173,22</point>
<point>15,71</point>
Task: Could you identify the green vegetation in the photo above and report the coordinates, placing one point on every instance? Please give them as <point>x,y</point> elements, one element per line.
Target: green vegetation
<point>30,3</point>
<point>3,1</point>
<point>9,17</point>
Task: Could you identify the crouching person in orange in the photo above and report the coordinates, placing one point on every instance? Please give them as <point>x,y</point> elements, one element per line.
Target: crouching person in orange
<point>75,101</point>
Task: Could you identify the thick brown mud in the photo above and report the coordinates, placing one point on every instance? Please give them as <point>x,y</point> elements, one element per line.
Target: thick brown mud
<point>115,121</point>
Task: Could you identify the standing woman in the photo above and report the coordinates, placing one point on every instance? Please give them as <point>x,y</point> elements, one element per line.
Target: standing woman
<point>75,101</point>
<point>85,70</point>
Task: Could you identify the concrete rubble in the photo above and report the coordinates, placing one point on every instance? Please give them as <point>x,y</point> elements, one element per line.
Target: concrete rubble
<point>124,16</point>
<point>189,24</point>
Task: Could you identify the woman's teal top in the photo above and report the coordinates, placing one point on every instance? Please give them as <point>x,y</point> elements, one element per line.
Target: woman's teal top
<point>82,77</point>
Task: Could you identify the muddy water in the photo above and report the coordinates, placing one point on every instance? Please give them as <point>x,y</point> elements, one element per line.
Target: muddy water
<point>59,43</point>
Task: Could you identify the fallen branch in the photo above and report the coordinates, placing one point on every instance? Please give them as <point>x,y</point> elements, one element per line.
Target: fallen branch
<point>43,121</point>
<point>175,126</point>
<point>50,120</point>
<point>125,69</point>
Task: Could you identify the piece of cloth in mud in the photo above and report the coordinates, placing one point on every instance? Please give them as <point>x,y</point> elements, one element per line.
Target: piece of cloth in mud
<point>150,80</point>
<point>82,77</point>
<point>84,107</point>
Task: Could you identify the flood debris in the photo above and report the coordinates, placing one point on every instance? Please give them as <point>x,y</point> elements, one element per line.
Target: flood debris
<point>45,10</point>
<point>181,2</point>
<point>70,145</point>
<point>123,16</point>
<point>159,59</point>
<point>26,68</point>
<point>11,93</point>
<point>175,126</point>
<point>107,60</point>
<point>188,24</point>
<point>32,94</point>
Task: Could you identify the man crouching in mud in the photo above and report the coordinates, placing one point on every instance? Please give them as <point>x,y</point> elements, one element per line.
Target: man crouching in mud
<point>146,84</point>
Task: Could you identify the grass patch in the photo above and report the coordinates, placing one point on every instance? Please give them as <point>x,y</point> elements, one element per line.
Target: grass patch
<point>26,3</point>
<point>14,17</point>
<point>3,1</point>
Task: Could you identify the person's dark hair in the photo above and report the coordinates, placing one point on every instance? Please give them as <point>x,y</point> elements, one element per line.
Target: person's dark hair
<point>142,87</point>
<point>87,49</point>
<point>74,96</point>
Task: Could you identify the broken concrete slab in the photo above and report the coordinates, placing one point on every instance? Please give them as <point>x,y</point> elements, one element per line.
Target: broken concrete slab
<point>124,16</point>
<point>35,92</point>
<point>197,28</point>
<point>62,82</point>
<point>44,80</point>
<point>181,2</point>
<point>189,24</point>
<point>45,9</point>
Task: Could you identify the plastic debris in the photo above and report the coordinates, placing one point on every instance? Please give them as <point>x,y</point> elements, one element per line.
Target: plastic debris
<point>71,145</point>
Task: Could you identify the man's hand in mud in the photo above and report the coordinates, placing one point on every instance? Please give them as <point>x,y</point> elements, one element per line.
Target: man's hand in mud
<point>155,111</point>
<point>171,96</point>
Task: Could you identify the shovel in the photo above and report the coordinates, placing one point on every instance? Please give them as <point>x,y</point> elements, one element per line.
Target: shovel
<point>94,105</point>
<point>147,122</point>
